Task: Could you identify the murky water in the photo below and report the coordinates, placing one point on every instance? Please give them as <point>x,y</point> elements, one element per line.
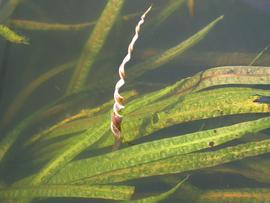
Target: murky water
<point>236,40</point>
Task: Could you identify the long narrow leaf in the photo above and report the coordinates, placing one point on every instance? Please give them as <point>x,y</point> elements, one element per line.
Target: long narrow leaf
<point>247,195</point>
<point>88,138</point>
<point>94,44</point>
<point>160,197</point>
<point>179,164</point>
<point>156,150</point>
<point>85,113</point>
<point>174,110</point>
<point>46,111</point>
<point>202,105</point>
<point>171,53</point>
<point>11,36</point>
<point>82,191</point>
<point>31,87</point>
<point>8,9</point>
<point>167,10</point>
<point>226,75</point>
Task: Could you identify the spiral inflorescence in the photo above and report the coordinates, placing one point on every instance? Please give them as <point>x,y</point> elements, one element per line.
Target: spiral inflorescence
<point>118,99</point>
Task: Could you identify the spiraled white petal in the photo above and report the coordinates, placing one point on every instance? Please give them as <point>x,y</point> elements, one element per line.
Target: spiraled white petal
<point>119,84</point>
<point>117,106</point>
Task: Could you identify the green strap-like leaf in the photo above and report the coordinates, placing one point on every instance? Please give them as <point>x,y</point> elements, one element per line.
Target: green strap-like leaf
<point>47,151</point>
<point>256,169</point>
<point>225,75</point>
<point>171,53</point>
<point>11,36</point>
<point>88,115</point>
<point>87,139</point>
<point>179,164</point>
<point>167,10</point>
<point>94,44</point>
<point>211,77</point>
<point>43,26</point>
<point>8,9</point>
<point>156,150</point>
<point>11,137</point>
<point>174,110</point>
<point>46,26</point>
<point>30,88</point>
<point>259,55</point>
<point>245,195</point>
<point>82,191</point>
<point>160,197</point>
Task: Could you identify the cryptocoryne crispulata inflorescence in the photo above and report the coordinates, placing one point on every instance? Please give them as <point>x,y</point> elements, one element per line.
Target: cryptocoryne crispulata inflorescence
<point>116,118</point>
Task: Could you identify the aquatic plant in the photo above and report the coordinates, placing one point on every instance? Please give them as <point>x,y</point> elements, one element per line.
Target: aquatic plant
<point>11,36</point>
<point>116,119</point>
<point>94,44</point>
<point>69,157</point>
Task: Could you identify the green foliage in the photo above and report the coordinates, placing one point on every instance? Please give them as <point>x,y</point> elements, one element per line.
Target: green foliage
<point>208,107</point>
<point>218,103</point>
<point>255,169</point>
<point>180,164</point>
<point>247,195</point>
<point>12,136</point>
<point>192,107</point>
<point>69,159</point>
<point>82,191</point>
<point>173,52</point>
<point>162,196</point>
<point>85,113</point>
<point>259,55</point>
<point>30,88</point>
<point>166,11</point>
<point>156,150</point>
<point>46,26</point>
<point>87,139</point>
<point>8,9</point>
<point>94,44</point>
<point>11,36</point>
<point>42,26</point>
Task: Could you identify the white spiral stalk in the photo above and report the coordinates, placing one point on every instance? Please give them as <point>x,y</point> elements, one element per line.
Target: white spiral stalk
<point>116,117</point>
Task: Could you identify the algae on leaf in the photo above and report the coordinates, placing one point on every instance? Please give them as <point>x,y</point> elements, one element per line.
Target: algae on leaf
<point>156,150</point>
<point>176,164</point>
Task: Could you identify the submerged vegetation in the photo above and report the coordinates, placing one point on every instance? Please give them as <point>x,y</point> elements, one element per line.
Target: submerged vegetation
<point>11,36</point>
<point>71,157</point>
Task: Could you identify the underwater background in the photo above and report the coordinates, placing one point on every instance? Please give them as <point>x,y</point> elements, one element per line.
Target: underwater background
<point>56,88</point>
